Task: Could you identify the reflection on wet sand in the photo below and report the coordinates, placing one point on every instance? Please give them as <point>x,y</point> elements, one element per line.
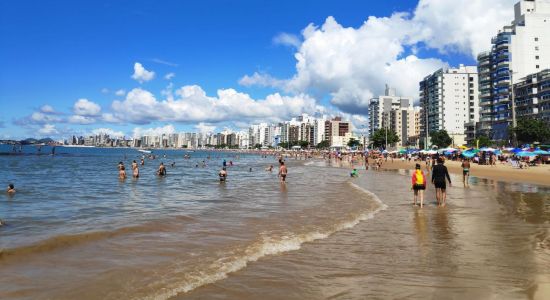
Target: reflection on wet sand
<point>490,242</point>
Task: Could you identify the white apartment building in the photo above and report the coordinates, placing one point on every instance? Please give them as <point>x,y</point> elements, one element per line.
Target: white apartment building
<point>381,106</point>
<point>449,99</point>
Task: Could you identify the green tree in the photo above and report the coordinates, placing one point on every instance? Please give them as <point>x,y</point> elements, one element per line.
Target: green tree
<point>303,144</point>
<point>323,145</point>
<point>353,143</point>
<point>483,141</point>
<point>283,145</point>
<point>531,130</point>
<point>378,138</point>
<point>258,146</point>
<point>440,138</point>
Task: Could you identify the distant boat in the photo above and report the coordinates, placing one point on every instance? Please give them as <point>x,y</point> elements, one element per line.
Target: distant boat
<point>144,151</point>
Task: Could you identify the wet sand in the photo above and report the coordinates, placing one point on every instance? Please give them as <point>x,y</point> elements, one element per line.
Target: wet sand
<point>492,241</point>
<point>502,172</point>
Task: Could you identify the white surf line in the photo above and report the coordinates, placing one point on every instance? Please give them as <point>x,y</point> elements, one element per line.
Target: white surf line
<point>269,246</point>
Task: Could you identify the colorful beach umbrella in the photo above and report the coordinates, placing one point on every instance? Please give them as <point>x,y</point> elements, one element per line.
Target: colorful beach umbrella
<point>468,154</point>
<point>525,154</point>
<point>541,152</point>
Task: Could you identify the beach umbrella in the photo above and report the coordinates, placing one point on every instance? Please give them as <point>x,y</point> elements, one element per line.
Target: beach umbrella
<point>402,151</point>
<point>431,152</point>
<point>515,150</point>
<point>468,154</point>
<point>525,154</point>
<point>541,152</point>
<point>488,149</point>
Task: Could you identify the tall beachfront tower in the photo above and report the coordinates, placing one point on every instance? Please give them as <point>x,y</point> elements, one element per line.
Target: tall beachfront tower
<point>380,107</point>
<point>449,99</point>
<point>518,50</point>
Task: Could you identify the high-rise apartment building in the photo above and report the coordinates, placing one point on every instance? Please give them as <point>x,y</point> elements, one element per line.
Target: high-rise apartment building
<point>518,50</point>
<point>449,100</point>
<point>382,105</point>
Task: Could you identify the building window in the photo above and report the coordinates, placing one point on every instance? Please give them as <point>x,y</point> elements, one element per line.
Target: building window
<point>536,57</point>
<point>537,66</point>
<point>536,39</point>
<point>536,48</point>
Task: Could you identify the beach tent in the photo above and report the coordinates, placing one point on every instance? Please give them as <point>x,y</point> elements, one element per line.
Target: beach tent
<point>525,154</point>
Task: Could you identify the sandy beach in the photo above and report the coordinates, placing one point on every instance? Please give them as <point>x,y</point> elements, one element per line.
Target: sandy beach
<point>502,172</point>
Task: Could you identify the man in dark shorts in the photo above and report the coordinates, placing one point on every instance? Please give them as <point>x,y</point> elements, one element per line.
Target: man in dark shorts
<point>439,174</point>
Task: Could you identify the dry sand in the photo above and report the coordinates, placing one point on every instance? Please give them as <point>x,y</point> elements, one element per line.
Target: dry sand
<point>503,172</point>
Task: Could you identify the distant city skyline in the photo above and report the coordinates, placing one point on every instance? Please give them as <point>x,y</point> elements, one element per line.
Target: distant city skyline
<point>134,67</point>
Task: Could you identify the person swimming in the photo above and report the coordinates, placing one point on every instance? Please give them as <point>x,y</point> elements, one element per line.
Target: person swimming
<point>269,169</point>
<point>11,189</point>
<point>223,174</point>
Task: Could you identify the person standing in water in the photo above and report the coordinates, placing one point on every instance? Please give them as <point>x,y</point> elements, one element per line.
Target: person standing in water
<point>466,171</point>
<point>223,174</point>
<point>135,169</point>
<point>418,185</point>
<point>162,170</point>
<point>439,174</point>
<point>122,172</point>
<point>283,171</point>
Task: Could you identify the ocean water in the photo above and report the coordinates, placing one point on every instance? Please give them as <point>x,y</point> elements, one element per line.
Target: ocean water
<point>74,230</point>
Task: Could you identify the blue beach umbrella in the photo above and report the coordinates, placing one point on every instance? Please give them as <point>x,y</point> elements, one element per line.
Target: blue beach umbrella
<point>468,154</point>
<point>525,154</point>
<point>541,152</point>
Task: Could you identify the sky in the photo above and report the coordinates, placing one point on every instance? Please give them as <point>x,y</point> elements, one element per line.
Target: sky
<point>129,68</point>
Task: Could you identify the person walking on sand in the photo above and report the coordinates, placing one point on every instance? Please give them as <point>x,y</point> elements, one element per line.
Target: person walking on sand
<point>418,185</point>
<point>466,171</point>
<point>283,171</point>
<point>439,174</point>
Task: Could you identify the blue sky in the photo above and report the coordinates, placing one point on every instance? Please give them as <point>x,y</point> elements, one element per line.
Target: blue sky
<point>56,52</point>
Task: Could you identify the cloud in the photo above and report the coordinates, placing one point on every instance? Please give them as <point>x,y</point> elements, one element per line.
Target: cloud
<point>191,104</point>
<point>163,62</point>
<point>42,118</point>
<point>85,107</point>
<point>157,131</point>
<point>205,128</point>
<point>108,131</point>
<point>351,65</point>
<point>47,129</point>
<point>82,120</point>
<point>262,79</point>
<point>141,74</point>
<point>120,92</point>
<point>169,76</point>
<point>47,109</point>
<point>287,39</point>
<point>451,26</point>
<point>104,90</point>
<point>109,118</point>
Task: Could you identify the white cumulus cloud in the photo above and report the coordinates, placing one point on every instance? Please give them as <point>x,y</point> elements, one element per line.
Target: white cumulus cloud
<point>169,76</point>
<point>82,120</point>
<point>351,65</point>
<point>141,74</point>
<point>120,92</point>
<point>139,132</point>
<point>108,131</point>
<point>287,39</point>
<point>48,109</point>
<point>191,104</point>
<point>47,129</point>
<point>85,107</point>
<point>205,128</point>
